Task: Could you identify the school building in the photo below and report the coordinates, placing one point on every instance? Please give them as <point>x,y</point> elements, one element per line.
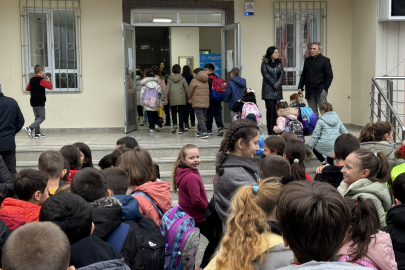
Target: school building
<point>88,47</point>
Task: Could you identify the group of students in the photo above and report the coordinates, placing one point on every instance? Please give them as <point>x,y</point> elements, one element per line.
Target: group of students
<point>265,213</point>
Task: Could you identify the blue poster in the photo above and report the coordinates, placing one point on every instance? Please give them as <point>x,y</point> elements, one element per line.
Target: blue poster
<point>214,59</point>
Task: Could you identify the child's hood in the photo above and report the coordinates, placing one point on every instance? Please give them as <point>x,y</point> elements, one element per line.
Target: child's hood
<point>181,173</point>
<point>175,78</point>
<point>150,82</point>
<point>249,97</point>
<point>241,82</point>
<point>380,252</point>
<point>330,118</point>
<point>159,192</point>
<point>396,216</point>
<point>130,207</point>
<point>288,111</point>
<point>202,77</point>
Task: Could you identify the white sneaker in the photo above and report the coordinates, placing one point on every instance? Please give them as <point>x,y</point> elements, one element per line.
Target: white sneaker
<point>157,127</point>
<point>151,130</point>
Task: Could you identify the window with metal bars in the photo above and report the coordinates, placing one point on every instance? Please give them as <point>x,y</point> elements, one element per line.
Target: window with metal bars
<point>50,36</point>
<point>297,25</point>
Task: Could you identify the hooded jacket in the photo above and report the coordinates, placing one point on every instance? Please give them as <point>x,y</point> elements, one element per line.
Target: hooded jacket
<point>290,113</point>
<point>238,105</point>
<point>199,91</point>
<point>11,122</point>
<point>150,82</point>
<point>26,210</point>
<point>272,77</point>
<point>326,131</point>
<point>107,216</point>
<point>91,253</point>
<point>192,196</point>
<point>159,192</point>
<point>396,229</point>
<point>383,146</point>
<point>376,191</point>
<point>177,86</point>
<point>234,90</point>
<point>379,254</point>
<point>238,172</point>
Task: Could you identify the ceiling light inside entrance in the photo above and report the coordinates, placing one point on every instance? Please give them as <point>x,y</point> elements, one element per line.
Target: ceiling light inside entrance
<point>162,20</point>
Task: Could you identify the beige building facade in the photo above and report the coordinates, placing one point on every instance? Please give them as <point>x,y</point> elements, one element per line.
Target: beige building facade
<point>358,45</point>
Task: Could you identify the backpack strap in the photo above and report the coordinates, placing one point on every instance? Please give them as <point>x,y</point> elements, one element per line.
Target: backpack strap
<point>118,236</point>
<point>152,202</point>
<point>173,212</point>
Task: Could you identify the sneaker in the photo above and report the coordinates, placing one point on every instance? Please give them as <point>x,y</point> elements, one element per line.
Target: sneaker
<point>324,163</point>
<point>37,136</point>
<point>198,133</point>
<point>29,132</point>
<point>204,135</point>
<point>220,131</point>
<point>174,129</point>
<point>209,132</point>
<point>157,127</point>
<point>41,135</point>
<point>151,130</point>
<point>187,127</point>
<point>181,131</point>
<point>160,123</point>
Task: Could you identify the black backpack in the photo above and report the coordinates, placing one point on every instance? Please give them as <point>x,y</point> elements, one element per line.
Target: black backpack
<point>150,240</point>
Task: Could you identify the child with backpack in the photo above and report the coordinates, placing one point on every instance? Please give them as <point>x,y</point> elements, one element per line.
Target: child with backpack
<point>295,154</point>
<point>262,246</point>
<point>306,116</point>
<point>287,120</point>
<point>365,245</point>
<point>234,89</point>
<point>327,129</point>
<point>177,86</point>
<point>247,105</point>
<point>150,93</point>
<point>366,174</point>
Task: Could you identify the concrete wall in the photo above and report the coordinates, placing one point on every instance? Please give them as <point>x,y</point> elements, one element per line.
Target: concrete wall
<point>184,41</point>
<point>101,104</point>
<point>258,35</point>
<point>210,39</point>
<point>363,58</point>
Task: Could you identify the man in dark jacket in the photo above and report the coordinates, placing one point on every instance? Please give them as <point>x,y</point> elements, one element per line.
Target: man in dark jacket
<point>91,185</point>
<point>317,77</point>
<point>234,89</point>
<point>11,122</point>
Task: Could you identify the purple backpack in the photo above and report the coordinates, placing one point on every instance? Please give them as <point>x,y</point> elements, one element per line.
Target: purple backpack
<point>182,239</point>
<point>150,97</point>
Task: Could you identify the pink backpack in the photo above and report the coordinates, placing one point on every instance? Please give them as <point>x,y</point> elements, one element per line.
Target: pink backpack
<point>150,97</point>
<point>248,108</point>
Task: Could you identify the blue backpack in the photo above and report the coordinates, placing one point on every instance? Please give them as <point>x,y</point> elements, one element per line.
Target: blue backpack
<point>182,239</point>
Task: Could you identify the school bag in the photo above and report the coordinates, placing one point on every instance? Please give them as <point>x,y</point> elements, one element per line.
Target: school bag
<point>218,90</point>
<point>118,236</point>
<point>296,127</point>
<point>182,239</point>
<point>150,97</point>
<point>251,108</point>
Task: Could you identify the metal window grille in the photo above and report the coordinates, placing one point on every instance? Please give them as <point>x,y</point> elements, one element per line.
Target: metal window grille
<point>297,26</point>
<point>50,36</point>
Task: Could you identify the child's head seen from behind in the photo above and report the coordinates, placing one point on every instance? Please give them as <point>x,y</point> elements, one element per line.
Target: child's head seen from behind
<point>345,144</point>
<point>117,181</point>
<point>274,145</point>
<point>72,156</point>
<point>398,189</point>
<point>189,156</point>
<point>274,166</point>
<point>376,132</point>
<point>31,186</point>
<point>52,164</point>
<point>90,184</point>
<point>295,154</point>
<point>313,218</point>
<point>176,69</point>
<point>289,136</point>
<point>281,104</point>
<point>150,74</point>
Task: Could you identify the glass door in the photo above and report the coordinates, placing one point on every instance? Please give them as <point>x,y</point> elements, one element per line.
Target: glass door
<point>230,58</point>
<point>129,70</point>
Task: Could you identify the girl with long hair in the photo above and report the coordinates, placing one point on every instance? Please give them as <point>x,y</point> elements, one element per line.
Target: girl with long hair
<point>295,154</point>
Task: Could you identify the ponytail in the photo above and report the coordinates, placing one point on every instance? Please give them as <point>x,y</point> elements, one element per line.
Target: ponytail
<point>240,129</point>
<point>365,223</point>
<point>374,132</point>
<point>295,152</point>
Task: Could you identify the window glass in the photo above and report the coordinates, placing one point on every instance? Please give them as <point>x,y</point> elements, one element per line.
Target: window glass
<point>200,18</point>
<point>64,39</point>
<point>38,38</point>
<point>154,18</point>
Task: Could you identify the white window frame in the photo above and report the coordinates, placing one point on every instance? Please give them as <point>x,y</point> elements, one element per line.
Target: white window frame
<point>178,12</point>
<point>51,52</point>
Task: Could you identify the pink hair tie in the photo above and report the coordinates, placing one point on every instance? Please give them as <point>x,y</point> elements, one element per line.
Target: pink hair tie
<point>250,90</point>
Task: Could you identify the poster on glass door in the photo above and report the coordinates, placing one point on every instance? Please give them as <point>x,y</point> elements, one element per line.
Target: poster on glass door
<point>214,59</point>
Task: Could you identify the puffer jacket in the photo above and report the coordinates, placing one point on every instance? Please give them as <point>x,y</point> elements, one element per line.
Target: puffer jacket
<point>151,82</point>
<point>238,172</point>
<point>272,77</point>
<point>376,191</point>
<point>383,146</point>
<point>28,211</point>
<point>234,90</point>
<point>326,131</point>
<point>396,229</point>
<point>380,252</point>
<point>199,91</point>
<point>177,86</point>
<point>290,113</point>
<point>138,90</point>
<point>159,192</point>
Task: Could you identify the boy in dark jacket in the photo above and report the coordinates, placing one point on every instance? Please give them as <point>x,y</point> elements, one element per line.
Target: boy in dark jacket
<point>344,145</point>
<point>73,215</point>
<point>91,185</point>
<point>396,221</point>
<point>215,108</point>
<point>234,89</point>
<point>37,86</point>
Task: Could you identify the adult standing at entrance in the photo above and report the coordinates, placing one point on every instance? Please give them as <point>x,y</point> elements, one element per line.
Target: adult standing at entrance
<point>272,90</point>
<point>11,122</point>
<point>317,77</point>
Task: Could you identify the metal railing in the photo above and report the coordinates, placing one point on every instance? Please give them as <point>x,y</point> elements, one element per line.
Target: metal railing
<point>382,105</point>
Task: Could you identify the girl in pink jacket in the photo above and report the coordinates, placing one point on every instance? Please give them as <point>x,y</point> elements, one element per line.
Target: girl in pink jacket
<point>365,244</point>
<point>284,113</point>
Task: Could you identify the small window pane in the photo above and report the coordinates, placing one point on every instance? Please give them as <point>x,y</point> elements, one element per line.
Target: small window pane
<point>38,37</point>
<point>200,18</point>
<point>65,80</point>
<point>154,18</point>
<point>64,39</point>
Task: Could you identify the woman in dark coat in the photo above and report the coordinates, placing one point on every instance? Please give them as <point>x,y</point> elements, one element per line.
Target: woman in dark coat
<point>272,90</point>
